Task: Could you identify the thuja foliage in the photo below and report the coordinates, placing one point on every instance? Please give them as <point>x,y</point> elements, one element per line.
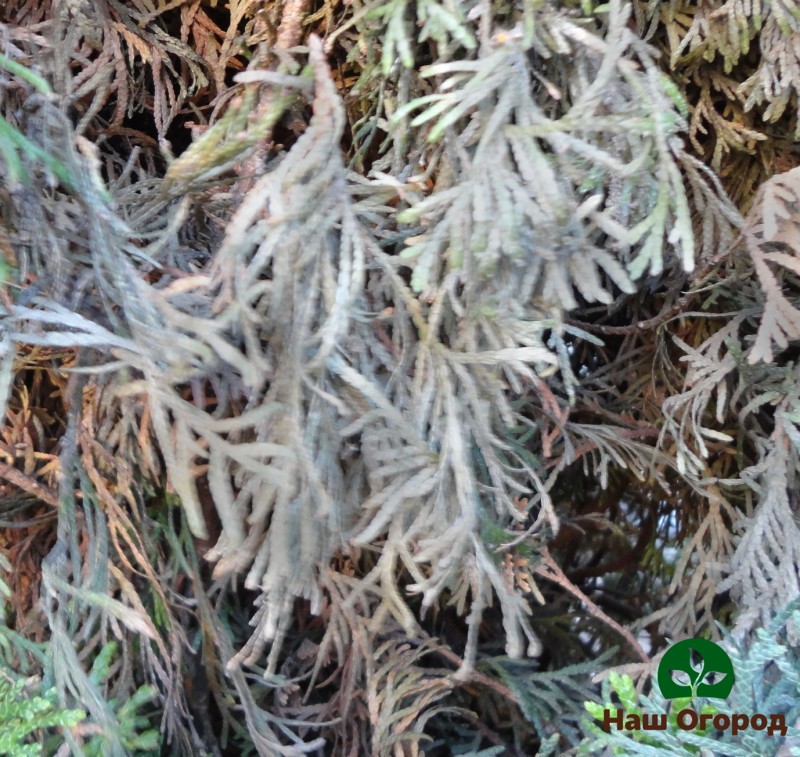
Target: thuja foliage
<point>33,719</point>
<point>369,368</point>
<point>22,716</point>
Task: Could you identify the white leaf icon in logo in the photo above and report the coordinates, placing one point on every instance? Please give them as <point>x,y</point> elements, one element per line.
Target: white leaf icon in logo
<point>681,677</point>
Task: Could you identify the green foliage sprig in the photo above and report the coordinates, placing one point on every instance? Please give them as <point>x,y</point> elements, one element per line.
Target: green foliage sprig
<point>14,144</point>
<point>24,716</point>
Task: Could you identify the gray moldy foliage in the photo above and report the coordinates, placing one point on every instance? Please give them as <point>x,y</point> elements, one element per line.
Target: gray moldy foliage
<point>446,329</point>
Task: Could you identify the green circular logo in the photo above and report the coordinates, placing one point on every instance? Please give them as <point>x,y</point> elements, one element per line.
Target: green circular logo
<point>695,668</point>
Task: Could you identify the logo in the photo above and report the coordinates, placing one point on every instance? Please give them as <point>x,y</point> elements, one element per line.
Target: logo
<point>695,668</point>
<point>690,669</point>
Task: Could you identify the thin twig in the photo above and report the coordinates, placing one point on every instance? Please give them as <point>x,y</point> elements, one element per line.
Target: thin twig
<point>669,313</point>
<point>474,677</point>
<point>26,483</point>
<point>557,576</point>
